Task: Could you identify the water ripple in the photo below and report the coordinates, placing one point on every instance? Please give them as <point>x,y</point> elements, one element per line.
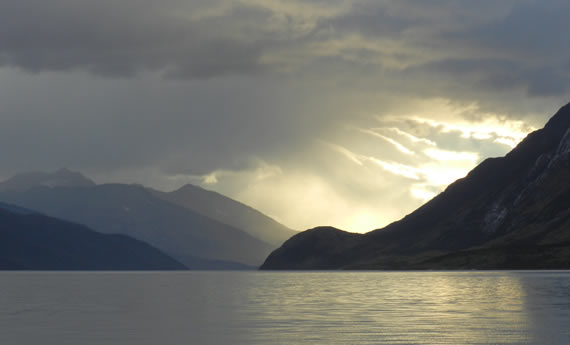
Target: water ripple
<point>285,308</point>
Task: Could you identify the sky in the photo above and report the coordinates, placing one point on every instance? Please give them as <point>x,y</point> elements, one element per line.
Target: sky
<point>350,113</point>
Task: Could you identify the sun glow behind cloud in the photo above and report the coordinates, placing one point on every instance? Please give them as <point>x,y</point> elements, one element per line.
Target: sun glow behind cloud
<point>369,175</point>
<point>444,155</point>
<point>396,144</point>
<point>421,151</point>
<point>470,123</point>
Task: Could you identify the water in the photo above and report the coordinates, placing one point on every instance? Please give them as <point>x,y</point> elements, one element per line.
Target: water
<point>285,308</point>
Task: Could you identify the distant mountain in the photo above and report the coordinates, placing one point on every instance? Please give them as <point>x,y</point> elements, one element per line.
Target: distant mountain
<point>507,213</point>
<point>195,240</point>
<point>31,241</point>
<point>16,209</point>
<point>230,212</point>
<point>60,178</point>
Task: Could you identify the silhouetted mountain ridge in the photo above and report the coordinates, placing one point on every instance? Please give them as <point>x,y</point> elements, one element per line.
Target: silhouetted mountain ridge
<point>191,238</point>
<point>31,241</point>
<point>520,202</point>
<point>213,231</point>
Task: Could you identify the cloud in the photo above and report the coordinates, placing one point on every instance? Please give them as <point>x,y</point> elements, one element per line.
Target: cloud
<point>444,155</point>
<point>121,39</point>
<point>346,153</point>
<point>260,99</point>
<point>467,49</point>
<point>530,30</point>
<point>408,136</point>
<point>396,144</point>
<point>397,168</point>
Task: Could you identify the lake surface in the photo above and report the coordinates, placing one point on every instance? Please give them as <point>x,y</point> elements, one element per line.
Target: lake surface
<point>285,308</point>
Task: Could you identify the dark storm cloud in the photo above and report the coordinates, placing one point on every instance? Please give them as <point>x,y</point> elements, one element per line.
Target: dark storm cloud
<point>500,74</point>
<point>368,19</point>
<point>493,46</point>
<point>468,49</point>
<point>118,39</point>
<point>531,30</point>
<point>528,48</point>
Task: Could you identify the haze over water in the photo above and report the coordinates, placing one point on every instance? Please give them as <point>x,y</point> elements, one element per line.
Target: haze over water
<point>285,308</point>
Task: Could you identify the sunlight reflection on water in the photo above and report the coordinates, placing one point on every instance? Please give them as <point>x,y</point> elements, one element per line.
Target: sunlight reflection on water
<point>285,308</point>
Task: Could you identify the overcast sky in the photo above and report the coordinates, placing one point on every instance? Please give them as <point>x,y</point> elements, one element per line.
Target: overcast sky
<point>317,112</point>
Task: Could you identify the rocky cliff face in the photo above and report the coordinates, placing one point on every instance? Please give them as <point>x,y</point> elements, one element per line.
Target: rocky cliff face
<point>508,212</point>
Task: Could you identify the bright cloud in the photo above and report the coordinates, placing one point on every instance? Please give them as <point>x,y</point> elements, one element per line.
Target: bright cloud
<point>396,144</point>
<point>409,136</point>
<point>421,193</point>
<point>444,155</point>
<point>397,169</point>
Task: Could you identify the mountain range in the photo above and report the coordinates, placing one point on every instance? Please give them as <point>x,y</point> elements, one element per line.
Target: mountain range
<point>61,178</point>
<point>230,212</point>
<point>511,212</point>
<point>168,221</point>
<point>31,241</point>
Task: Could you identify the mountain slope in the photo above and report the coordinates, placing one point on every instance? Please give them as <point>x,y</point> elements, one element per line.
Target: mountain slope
<point>30,241</point>
<point>518,204</point>
<point>230,212</point>
<point>133,210</point>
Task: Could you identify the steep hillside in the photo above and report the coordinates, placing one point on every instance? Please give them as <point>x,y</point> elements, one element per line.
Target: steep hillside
<point>507,212</point>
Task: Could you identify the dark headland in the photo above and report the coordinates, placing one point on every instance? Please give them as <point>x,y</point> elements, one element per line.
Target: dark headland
<point>511,212</point>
